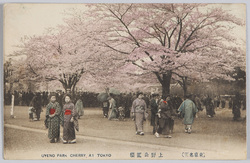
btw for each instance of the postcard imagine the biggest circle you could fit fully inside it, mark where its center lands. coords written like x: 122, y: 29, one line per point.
x: 121, y: 81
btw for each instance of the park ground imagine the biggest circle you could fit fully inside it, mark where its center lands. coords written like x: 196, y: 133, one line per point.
x: 98, y: 138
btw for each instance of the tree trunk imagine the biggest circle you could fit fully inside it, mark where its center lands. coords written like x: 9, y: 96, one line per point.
x: 166, y: 79
x: 184, y: 81
x: 69, y: 86
x: 73, y: 89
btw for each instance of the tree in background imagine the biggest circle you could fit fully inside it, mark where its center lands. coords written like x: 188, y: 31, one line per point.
x: 171, y: 41
x: 167, y: 39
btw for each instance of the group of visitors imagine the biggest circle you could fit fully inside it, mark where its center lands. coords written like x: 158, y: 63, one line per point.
x: 65, y: 110
x: 163, y: 112
x: 66, y: 116
x: 22, y: 98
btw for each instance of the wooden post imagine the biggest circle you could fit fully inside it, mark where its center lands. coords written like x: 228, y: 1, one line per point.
x: 12, y: 107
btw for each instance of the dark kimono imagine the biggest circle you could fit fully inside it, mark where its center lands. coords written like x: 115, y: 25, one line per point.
x: 69, y: 111
x: 154, y: 110
x: 37, y: 105
x: 165, y: 121
x: 53, y: 123
x: 210, y: 107
x: 236, y: 108
x: 154, y: 117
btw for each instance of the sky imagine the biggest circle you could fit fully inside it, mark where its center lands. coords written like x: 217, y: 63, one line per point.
x: 33, y: 19
x: 30, y: 19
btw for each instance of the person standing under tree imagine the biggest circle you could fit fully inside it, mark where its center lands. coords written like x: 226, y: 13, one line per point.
x: 188, y: 110
x: 53, y: 120
x: 154, y: 110
x: 79, y: 107
x: 70, y: 115
x: 236, y: 107
x: 138, y: 111
x: 209, y: 107
x: 165, y: 120
x: 37, y: 105
x: 105, y: 108
x: 112, y: 106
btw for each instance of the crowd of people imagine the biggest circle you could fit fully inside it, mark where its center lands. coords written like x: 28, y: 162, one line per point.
x: 65, y: 110
x: 164, y: 109
x: 23, y: 98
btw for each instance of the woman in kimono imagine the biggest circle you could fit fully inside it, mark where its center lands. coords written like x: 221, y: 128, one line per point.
x: 53, y: 119
x: 138, y: 111
x: 112, y: 106
x: 165, y: 120
x: 70, y: 115
x: 188, y: 110
x: 79, y: 107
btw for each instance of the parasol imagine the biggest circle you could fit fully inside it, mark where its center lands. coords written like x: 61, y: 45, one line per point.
x: 102, y: 97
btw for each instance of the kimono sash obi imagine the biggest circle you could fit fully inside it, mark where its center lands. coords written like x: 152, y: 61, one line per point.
x: 52, y: 111
x: 67, y: 112
x: 139, y: 108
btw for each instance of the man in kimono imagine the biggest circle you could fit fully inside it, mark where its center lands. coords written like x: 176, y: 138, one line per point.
x: 188, y: 110
x: 154, y: 110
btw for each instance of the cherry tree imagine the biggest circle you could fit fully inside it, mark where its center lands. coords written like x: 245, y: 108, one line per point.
x: 60, y: 54
x: 68, y: 54
x: 167, y: 39
x: 14, y: 72
x: 170, y: 41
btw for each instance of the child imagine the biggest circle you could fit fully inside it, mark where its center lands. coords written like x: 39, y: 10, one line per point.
x: 121, y: 113
x: 31, y: 112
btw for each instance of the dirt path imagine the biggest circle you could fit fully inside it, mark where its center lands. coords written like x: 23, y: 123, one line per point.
x: 217, y: 138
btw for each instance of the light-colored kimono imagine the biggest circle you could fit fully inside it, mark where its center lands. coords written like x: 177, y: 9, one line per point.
x: 139, y: 107
x: 112, y: 106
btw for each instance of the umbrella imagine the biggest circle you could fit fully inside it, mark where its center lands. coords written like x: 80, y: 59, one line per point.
x: 114, y: 91
x: 102, y: 97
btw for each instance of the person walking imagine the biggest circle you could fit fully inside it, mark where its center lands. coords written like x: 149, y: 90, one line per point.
x: 70, y: 115
x: 112, y: 106
x: 79, y: 107
x: 54, y: 118
x: 165, y: 118
x: 154, y: 110
x: 188, y: 110
x: 138, y: 111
